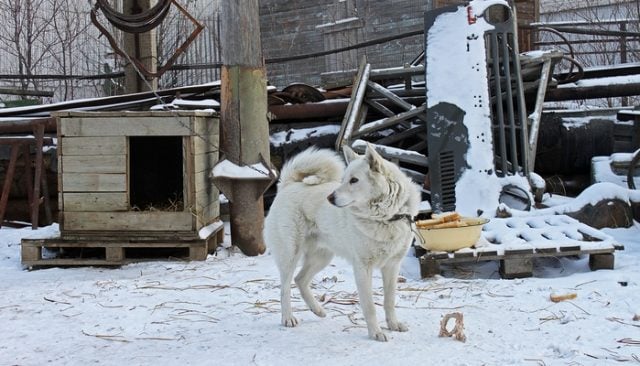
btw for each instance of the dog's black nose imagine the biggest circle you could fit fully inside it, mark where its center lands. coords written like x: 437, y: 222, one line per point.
x: 332, y: 198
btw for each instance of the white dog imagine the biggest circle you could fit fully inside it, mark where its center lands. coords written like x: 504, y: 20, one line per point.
x: 365, y: 218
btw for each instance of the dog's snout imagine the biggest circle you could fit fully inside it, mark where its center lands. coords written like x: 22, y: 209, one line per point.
x: 332, y: 198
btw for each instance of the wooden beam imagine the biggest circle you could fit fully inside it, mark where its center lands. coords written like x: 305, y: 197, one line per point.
x: 243, y: 119
x: 141, y: 46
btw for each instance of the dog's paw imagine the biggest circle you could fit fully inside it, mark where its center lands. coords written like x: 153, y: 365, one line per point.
x: 397, y: 326
x: 379, y: 336
x: 289, y: 322
x: 319, y: 311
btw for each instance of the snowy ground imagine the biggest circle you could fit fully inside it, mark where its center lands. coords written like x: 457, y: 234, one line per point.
x: 225, y: 311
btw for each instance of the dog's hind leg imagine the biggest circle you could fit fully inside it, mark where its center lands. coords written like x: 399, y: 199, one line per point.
x: 287, y: 261
x: 363, y: 276
x: 313, y: 262
x: 389, y: 282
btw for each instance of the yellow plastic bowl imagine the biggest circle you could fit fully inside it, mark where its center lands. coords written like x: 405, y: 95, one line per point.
x: 454, y: 238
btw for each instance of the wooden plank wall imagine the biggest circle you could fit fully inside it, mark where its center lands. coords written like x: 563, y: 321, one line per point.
x: 94, y: 177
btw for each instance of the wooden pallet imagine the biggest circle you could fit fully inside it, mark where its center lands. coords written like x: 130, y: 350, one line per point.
x: 102, y: 250
x: 513, y: 263
x: 515, y: 242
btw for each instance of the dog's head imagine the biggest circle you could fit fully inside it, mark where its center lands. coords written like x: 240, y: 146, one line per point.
x: 370, y: 184
x: 359, y: 180
x: 374, y: 187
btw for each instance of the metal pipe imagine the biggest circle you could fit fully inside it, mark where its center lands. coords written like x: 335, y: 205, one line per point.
x: 534, y: 122
x: 506, y: 57
x: 498, y: 92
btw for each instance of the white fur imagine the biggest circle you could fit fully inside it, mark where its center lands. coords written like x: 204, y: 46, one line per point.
x: 360, y: 224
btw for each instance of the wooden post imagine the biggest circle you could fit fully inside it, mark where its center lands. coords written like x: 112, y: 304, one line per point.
x: 243, y: 118
x: 141, y: 46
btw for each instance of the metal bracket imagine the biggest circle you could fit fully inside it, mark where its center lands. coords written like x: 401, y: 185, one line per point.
x: 139, y: 65
x: 262, y: 174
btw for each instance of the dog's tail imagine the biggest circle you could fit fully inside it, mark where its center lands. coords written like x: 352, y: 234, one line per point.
x: 312, y: 166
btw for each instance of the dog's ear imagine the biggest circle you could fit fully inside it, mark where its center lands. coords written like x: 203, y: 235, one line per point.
x: 374, y: 159
x: 349, y: 154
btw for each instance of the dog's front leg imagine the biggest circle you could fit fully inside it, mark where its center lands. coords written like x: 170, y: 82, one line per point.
x: 363, y: 276
x: 390, y: 281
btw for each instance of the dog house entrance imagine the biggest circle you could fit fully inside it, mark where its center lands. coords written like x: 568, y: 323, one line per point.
x: 156, y: 173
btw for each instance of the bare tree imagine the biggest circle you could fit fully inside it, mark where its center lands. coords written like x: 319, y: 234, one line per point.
x: 600, y: 47
x: 69, y: 22
x: 56, y: 37
x: 24, y: 36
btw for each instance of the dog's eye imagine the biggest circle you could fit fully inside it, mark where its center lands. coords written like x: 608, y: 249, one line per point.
x: 353, y: 180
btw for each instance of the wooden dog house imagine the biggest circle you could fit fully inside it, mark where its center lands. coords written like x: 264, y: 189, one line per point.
x: 131, y: 181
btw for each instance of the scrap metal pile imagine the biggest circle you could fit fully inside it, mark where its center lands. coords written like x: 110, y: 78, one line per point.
x: 455, y: 115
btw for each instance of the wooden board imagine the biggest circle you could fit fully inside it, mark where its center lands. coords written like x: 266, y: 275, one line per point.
x: 98, y: 164
x: 138, y: 235
x: 206, y: 143
x: 95, y: 201
x: 81, y: 182
x: 126, y: 114
x: 103, y: 145
x: 201, y: 181
x: 205, y: 162
x: 205, y: 214
x: 116, y: 252
x: 128, y: 221
x: 208, y: 128
x: 514, y: 263
x: 126, y: 126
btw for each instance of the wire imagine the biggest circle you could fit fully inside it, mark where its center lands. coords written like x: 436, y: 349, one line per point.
x: 140, y: 22
x: 164, y: 107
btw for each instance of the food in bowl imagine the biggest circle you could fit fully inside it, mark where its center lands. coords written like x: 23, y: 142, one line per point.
x: 449, y: 231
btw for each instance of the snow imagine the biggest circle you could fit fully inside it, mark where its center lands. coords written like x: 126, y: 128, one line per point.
x: 536, y: 53
x: 576, y: 122
x: 61, y: 105
x: 389, y: 150
x: 540, y: 232
x: 593, y: 194
x: 339, y: 21
x: 205, y: 104
x: 225, y: 310
x: 536, y: 180
x: 603, y: 171
x: 604, y: 81
x: 573, y: 23
x: 228, y: 169
x: 206, y: 231
x: 285, y: 137
x: 27, y: 137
